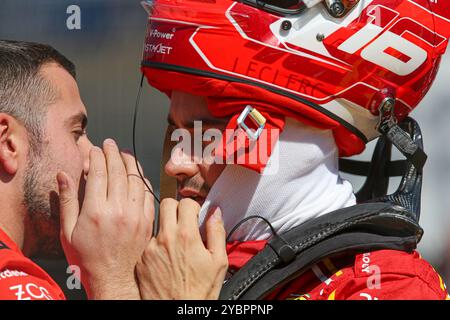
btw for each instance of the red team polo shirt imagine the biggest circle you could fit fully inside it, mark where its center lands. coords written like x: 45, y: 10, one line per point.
x: 21, y: 278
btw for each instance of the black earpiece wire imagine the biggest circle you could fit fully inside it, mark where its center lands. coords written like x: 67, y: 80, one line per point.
x: 136, y: 110
x: 240, y: 223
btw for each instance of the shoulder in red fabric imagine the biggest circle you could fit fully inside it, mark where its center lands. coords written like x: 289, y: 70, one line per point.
x: 21, y: 278
x: 384, y: 275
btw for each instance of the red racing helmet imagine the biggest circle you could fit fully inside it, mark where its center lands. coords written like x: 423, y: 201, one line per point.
x: 330, y: 64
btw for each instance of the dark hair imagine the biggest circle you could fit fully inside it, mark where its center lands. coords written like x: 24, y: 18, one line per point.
x: 24, y: 92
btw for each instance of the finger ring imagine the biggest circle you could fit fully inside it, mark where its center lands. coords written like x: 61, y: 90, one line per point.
x: 134, y: 175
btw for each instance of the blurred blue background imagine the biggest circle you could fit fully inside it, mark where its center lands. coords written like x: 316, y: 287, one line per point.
x: 107, y: 52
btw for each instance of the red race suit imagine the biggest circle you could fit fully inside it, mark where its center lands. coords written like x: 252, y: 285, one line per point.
x: 21, y: 278
x: 376, y: 275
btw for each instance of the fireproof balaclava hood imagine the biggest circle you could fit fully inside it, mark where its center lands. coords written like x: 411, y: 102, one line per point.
x: 303, y: 184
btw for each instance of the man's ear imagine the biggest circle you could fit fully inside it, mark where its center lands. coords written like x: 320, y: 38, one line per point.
x: 10, y: 131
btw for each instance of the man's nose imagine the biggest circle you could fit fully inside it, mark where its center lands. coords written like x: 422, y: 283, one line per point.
x: 180, y: 165
x: 87, y: 146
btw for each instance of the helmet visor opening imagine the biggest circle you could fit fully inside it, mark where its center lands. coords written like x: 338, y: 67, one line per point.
x: 337, y: 8
x: 278, y: 7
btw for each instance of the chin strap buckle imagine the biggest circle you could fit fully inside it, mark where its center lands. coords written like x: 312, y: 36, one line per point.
x: 398, y: 137
x: 256, y: 117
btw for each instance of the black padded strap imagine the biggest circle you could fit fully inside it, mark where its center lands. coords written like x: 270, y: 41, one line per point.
x: 346, y: 229
x: 349, y: 243
x: 395, y: 168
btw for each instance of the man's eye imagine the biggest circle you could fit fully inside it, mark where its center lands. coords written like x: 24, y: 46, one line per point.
x: 78, y: 134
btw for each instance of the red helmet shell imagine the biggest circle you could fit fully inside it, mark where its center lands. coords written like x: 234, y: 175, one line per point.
x: 328, y: 72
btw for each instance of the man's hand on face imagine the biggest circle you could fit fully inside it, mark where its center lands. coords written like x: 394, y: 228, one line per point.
x: 176, y: 264
x: 107, y: 237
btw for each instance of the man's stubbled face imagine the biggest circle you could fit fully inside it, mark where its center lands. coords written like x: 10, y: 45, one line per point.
x: 43, y: 213
x: 194, y: 179
x: 64, y: 147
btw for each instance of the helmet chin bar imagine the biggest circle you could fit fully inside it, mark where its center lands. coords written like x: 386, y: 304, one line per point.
x: 381, y: 168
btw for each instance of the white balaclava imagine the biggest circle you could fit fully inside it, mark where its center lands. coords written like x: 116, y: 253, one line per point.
x: 307, y: 185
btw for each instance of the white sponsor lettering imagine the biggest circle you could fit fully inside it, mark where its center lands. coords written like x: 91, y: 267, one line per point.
x: 367, y: 296
x: 366, y: 263
x: 161, y: 35
x: 374, y: 280
x: 29, y: 291
x: 158, y: 48
x: 11, y: 273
